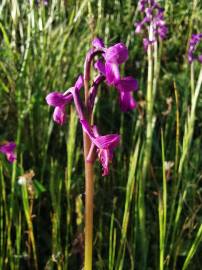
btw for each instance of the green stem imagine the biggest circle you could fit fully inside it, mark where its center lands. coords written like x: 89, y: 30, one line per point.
x: 89, y: 178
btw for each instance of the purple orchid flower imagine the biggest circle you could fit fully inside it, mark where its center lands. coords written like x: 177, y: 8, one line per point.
x: 195, y: 39
x: 116, y: 54
x: 108, y: 67
x: 153, y: 20
x: 60, y: 100
x: 8, y: 150
x: 103, y: 145
x: 113, y: 56
x: 125, y: 85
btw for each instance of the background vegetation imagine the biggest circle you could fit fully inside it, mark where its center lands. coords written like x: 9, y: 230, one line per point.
x: 138, y: 224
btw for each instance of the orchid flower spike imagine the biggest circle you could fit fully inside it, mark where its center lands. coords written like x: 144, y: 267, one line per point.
x: 153, y: 22
x: 194, y: 41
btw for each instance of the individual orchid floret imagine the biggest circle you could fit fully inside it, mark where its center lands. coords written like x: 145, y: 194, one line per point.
x: 8, y: 149
x: 60, y: 100
x: 125, y: 85
x: 116, y: 54
x: 153, y: 22
x: 113, y: 56
x: 194, y: 41
x: 102, y: 145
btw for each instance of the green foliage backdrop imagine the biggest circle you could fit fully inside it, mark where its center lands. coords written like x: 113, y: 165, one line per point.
x: 151, y: 224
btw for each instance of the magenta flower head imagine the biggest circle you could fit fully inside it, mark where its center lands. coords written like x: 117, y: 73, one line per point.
x: 125, y: 86
x: 60, y: 100
x: 104, y: 146
x: 153, y: 22
x: 113, y: 56
x: 8, y: 149
x: 193, y: 43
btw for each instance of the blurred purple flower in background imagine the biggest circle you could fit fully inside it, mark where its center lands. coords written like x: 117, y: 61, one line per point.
x: 8, y: 149
x: 194, y: 41
x: 153, y: 22
x: 43, y: 2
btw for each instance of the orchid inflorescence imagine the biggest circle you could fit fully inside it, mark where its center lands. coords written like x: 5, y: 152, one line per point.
x: 108, y: 70
x: 193, y: 43
x: 153, y: 22
x: 8, y: 149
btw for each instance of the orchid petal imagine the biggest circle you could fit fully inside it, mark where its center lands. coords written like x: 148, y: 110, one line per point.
x: 59, y: 115
x: 98, y: 43
x: 127, y: 101
x: 57, y: 99
x: 104, y: 159
x: 79, y: 82
x: 100, y: 66
x: 116, y: 54
x: 86, y: 128
x: 107, y: 141
x: 127, y: 84
x: 112, y: 73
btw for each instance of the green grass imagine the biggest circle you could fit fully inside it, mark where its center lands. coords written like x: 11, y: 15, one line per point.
x: 147, y: 212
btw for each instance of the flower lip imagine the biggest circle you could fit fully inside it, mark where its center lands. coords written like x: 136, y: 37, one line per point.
x: 59, y: 115
x: 127, y: 101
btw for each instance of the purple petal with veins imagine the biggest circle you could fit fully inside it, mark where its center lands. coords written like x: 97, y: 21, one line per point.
x: 102, y: 142
x: 58, y: 99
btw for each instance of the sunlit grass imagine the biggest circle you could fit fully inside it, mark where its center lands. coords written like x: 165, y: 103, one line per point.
x: 148, y: 211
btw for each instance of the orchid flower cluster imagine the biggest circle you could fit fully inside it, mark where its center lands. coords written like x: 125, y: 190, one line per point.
x: 107, y: 66
x: 8, y: 149
x: 153, y: 22
x: 193, y: 43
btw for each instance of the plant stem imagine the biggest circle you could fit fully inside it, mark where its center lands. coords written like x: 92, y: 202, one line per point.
x: 89, y: 177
